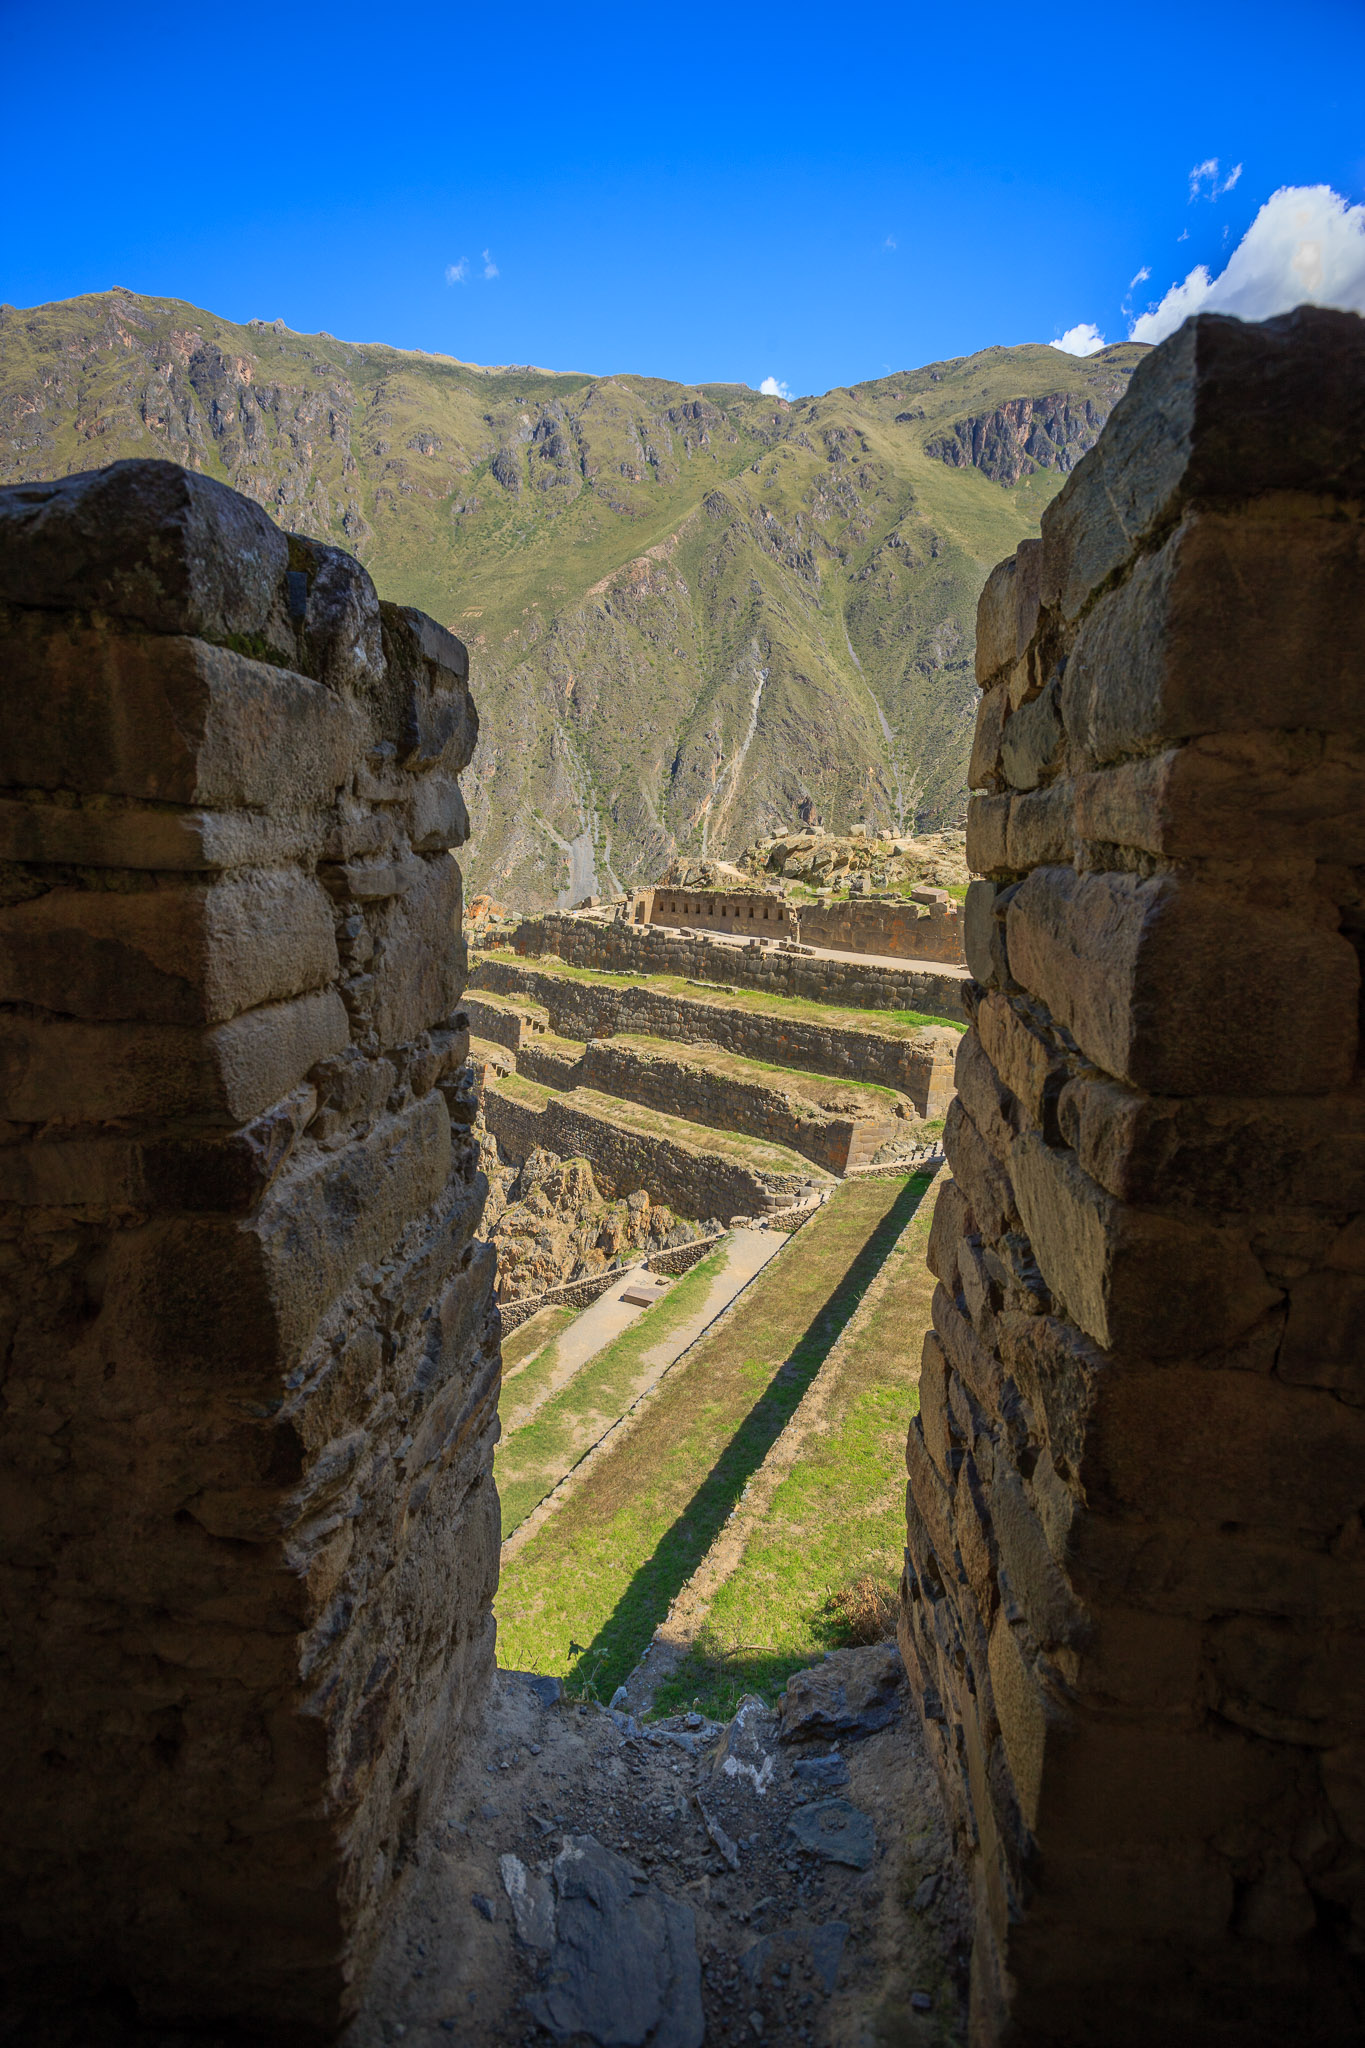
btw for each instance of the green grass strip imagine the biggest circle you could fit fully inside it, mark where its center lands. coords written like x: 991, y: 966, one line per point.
x: 799, y: 1008
x: 586, y: 1594
x: 531, y: 1461
x: 837, y: 1518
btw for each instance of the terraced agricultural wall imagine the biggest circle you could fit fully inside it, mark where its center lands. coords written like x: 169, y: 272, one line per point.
x: 693, y: 1179
x: 625, y: 948
x: 1134, y: 1601
x: 250, y: 1529
x: 920, y: 1066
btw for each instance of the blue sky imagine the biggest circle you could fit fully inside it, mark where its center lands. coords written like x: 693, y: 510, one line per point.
x: 812, y: 195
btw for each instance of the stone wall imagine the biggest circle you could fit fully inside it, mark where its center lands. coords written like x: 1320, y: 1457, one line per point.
x: 919, y: 1065
x: 697, y: 1182
x: 252, y: 1355
x: 927, y: 927
x: 1134, y: 1601
x: 757, y: 914
x: 623, y: 948
x: 679, y: 1258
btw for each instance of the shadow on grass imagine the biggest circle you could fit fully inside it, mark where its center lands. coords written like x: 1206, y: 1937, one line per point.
x: 623, y: 1637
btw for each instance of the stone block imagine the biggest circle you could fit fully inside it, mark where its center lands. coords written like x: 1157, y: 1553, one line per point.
x: 419, y: 964
x: 1182, y: 990
x: 437, y: 818
x: 1225, y: 409
x: 1007, y: 610
x: 1060, y: 1373
x: 1041, y: 829
x: 90, y: 1073
x: 1120, y: 1784
x: 1031, y: 1718
x: 979, y: 1367
x: 149, y: 542
x: 927, y: 1499
x: 1138, y: 1661
x: 983, y: 768
x: 1227, y: 796
x: 1139, y: 1282
x: 1027, y: 1065
x: 1324, y: 1338
x: 430, y: 716
x: 983, y: 935
x: 1033, y: 741
x: 339, y: 637
x: 101, y: 835
x: 1222, y: 1152
x: 1052, y: 1610
x: 987, y: 826
x: 1215, y: 1447
x: 229, y: 1301
x: 933, y: 1404
x: 951, y: 1222
x: 180, y: 954
x: 1288, y: 1681
x: 978, y: 1173
x: 1240, y: 622
x: 171, y: 719
x: 985, y: 1098
x: 200, y: 1171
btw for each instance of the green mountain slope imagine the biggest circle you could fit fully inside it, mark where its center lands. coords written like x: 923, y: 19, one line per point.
x: 693, y: 611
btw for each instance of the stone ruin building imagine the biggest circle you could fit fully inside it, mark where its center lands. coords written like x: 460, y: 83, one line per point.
x: 251, y: 1363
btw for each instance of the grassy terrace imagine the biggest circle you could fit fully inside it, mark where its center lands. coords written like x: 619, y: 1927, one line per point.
x: 531, y: 1461
x: 885, y: 1023
x: 755, y: 1153
x: 836, y: 1519
x: 584, y: 1596
x: 739, y: 1067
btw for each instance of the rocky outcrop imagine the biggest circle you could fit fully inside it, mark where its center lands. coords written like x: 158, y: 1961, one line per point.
x: 1134, y: 1603
x: 251, y: 1348
x: 1024, y: 435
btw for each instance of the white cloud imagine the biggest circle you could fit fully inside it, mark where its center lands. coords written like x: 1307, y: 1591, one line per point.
x: 490, y: 268
x: 1081, y: 340
x: 456, y: 273
x: 890, y: 242
x: 1141, y: 278
x: 1207, y: 174
x: 771, y: 388
x: 1306, y: 246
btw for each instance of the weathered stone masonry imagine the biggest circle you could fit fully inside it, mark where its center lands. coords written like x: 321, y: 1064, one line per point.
x: 1135, y: 1589
x: 250, y: 1350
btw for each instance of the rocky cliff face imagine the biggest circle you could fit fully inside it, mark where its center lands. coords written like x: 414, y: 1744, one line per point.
x: 698, y: 613
x: 1025, y: 435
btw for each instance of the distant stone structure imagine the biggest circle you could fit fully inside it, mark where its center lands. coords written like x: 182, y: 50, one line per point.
x: 250, y: 1529
x: 926, y: 926
x: 624, y: 946
x: 1134, y: 1601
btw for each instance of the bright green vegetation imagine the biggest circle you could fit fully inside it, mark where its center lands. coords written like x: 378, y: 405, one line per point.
x: 836, y: 1519
x: 531, y: 1461
x: 584, y: 1596
x: 888, y: 1023
x: 521, y: 1349
x: 643, y: 569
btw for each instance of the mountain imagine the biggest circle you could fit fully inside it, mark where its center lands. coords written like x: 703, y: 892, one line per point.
x: 695, y: 612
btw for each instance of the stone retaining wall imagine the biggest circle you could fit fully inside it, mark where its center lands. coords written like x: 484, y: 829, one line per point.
x: 920, y: 1067
x: 679, y: 1258
x: 691, y: 1180
x: 624, y: 948
x: 928, y: 929
x: 1134, y: 1602
x: 251, y: 1535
